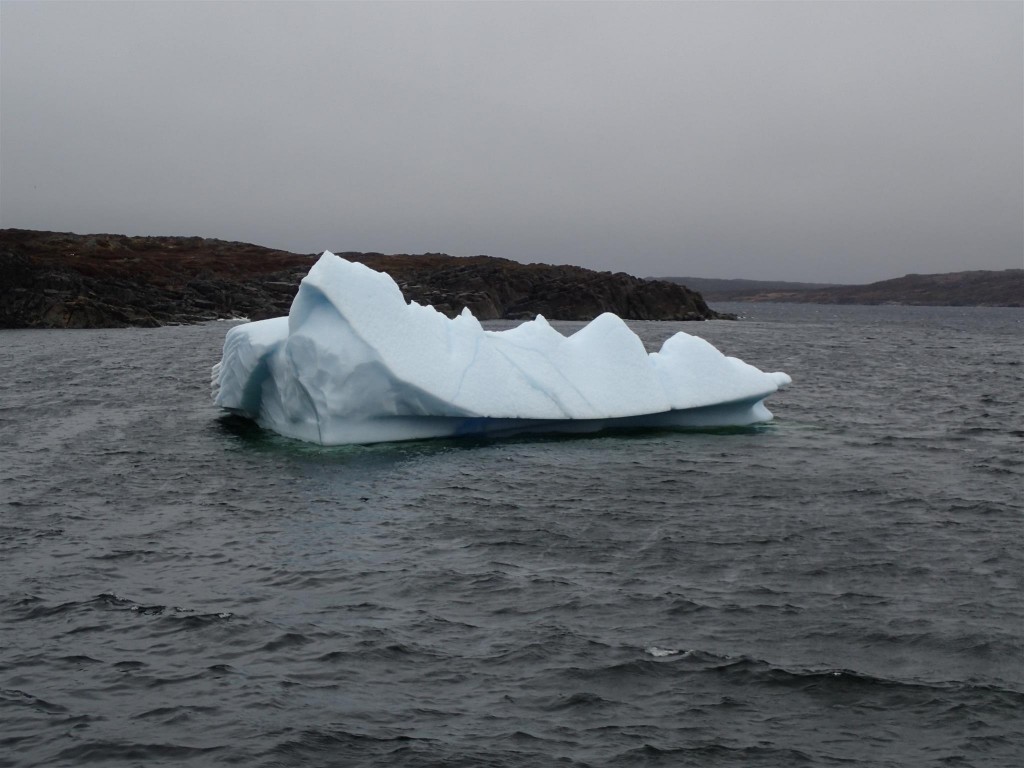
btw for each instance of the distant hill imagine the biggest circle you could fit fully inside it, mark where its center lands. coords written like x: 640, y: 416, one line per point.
x: 710, y: 286
x: 65, y: 280
x: 983, y: 288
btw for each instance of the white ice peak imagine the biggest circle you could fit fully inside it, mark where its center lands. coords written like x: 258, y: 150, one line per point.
x: 354, y: 363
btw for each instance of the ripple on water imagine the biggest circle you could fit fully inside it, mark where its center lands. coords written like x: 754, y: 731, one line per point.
x: 840, y: 587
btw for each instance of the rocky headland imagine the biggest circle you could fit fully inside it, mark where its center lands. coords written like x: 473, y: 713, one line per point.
x: 65, y: 280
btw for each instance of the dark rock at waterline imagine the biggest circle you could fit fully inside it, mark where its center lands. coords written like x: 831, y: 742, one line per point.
x: 64, y: 280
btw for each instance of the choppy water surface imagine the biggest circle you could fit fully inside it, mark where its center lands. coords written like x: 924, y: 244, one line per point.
x: 842, y: 587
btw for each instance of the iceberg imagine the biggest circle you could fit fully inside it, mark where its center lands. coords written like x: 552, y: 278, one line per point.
x: 353, y: 362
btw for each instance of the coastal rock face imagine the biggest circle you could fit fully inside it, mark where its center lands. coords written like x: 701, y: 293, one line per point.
x: 64, y: 280
x: 496, y: 288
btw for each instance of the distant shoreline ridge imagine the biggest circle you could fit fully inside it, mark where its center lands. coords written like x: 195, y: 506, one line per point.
x: 67, y: 280
x: 973, y: 288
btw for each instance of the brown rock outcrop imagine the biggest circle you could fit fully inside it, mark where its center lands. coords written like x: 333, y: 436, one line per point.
x: 64, y: 280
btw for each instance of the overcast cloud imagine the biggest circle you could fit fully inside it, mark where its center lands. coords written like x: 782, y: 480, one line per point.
x: 842, y: 142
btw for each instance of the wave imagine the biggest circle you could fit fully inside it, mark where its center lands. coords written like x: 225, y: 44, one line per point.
x: 749, y: 671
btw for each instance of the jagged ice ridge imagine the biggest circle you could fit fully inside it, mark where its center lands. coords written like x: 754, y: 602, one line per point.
x: 354, y: 363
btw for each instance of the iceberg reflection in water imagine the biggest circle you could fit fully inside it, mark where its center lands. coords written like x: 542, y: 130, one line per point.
x: 354, y: 363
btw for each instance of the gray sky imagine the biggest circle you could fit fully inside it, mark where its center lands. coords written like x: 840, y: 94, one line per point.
x: 841, y: 141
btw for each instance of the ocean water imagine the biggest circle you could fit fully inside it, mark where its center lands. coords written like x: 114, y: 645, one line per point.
x: 840, y: 587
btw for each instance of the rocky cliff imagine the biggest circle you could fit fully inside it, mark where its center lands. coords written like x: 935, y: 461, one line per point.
x: 64, y: 280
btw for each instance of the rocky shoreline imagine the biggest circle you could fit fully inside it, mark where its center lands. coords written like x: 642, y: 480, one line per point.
x: 64, y: 280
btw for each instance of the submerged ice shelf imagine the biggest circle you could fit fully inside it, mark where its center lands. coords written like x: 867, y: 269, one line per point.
x: 354, y: 363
